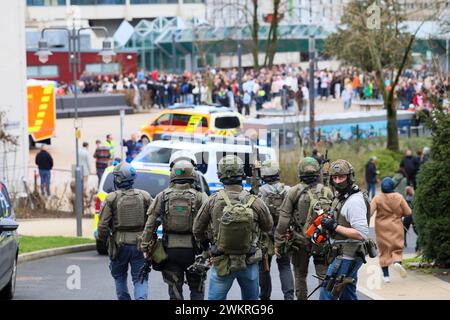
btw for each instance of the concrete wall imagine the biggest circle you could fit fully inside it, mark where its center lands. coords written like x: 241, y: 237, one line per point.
x: 13, y: 160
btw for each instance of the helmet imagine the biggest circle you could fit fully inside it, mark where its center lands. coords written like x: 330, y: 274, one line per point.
x: 342, y: 167
x: 182, y: 170
x: 270, y: 168
x: 182, y: 155
x: 124, y: 175
x: 231, y: 167
x: 308, y: 167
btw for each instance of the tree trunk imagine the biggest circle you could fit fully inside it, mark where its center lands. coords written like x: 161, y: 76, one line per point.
x: 272, y: 38
x: 255, y: 29
x: 392, y: 130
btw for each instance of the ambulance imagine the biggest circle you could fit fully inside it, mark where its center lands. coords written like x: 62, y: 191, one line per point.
x: 41, y: 111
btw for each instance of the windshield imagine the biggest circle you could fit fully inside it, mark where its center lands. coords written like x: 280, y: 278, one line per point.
x: 227, y: 122
x: 155, y: 155
x: 151, y: 182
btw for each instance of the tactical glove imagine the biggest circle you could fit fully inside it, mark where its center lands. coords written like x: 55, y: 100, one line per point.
x: 329, y: 224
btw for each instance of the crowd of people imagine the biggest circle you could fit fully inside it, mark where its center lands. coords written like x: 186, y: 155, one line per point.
x: 283, y: 85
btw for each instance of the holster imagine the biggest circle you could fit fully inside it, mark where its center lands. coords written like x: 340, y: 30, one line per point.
x: 113, y: 248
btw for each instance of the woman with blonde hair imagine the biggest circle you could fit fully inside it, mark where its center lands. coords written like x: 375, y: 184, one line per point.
x: 390, y: 207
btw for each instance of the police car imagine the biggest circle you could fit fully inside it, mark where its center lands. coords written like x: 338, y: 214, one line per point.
x: 152, y: 179
x: 208, y: 151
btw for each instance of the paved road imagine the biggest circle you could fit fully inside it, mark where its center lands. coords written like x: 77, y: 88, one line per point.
x: 46, y: 279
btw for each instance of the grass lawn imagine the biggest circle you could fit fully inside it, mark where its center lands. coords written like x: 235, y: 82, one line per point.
x: 30, y: 244
x: 422, y: 265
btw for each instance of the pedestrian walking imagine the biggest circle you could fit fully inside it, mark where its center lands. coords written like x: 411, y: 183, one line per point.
x: 371, y: 176
x: 109, y: 143
x: 390, y: 207
x: 44, y: 161
x: 121, y: 221
x: 102, y: 157
x: 411, y: 165
x: 85, y: 164
x: 400, y: 181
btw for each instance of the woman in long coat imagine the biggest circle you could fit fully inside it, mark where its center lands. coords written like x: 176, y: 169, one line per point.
x: 390, y: 207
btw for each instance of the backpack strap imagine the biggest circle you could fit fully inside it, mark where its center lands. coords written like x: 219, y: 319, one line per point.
x: 225, y: 197
x: 250, y: 202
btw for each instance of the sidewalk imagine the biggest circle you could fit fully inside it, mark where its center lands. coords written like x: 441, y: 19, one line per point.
x: 416, y: 286
x: 55, y: 227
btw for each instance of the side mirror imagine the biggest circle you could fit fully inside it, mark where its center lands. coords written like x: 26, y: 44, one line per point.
x: 8, y: 225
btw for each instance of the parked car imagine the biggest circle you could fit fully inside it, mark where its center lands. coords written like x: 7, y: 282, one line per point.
x: 9, y: 245
x: 149, y: 178
x: 208, y: 152
x: 190, y: 119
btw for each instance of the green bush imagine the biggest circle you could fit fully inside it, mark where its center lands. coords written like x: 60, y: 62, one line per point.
x: 431, y: 207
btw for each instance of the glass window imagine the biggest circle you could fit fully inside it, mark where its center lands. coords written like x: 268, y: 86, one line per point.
x: 155, y: 155
x: 46, y: 2
x: 193, y: 1
x: 95, y: 2
x: 102, y: 68
x: 227, y: 122
x: 164, y: 120
x: 153, y: 1
x: 151, y: 182
x: 5, y: 202
x: 202, y: 161
x: 50, y: 71
x: 180, y: 119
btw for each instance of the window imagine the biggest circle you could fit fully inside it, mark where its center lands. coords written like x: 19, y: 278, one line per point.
x: 164, y: 120
x: 180, y: 119
x: 202, y: 161
x: 203, y: 123
x: 153, y: 1
x: 228, y: 122
x: 151, y: 182
x: 102, y: 68
x: 95, y: 2
x: 49, y: 3
x: 50, y: 71
x: 5, y: 202
x: 155, y: 155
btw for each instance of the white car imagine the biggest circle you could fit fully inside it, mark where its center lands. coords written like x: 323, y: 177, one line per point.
x: 208, y: 153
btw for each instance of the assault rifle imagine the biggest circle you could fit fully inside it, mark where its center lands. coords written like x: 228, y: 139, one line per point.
x: 201, y: 265
x: 255, y: 165
x: 325, y: 169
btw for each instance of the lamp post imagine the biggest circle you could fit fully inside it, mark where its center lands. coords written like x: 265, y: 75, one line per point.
x: 74, y: 62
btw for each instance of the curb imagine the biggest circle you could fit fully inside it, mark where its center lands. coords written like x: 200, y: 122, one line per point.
x: 370, y: 294
x: 25, y: 257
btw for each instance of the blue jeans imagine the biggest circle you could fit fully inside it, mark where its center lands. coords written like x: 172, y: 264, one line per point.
x: 45, y: 181
x: 349, y: 291
x: 371, y: 189
x: 128, y: 254
x: 248, y: 280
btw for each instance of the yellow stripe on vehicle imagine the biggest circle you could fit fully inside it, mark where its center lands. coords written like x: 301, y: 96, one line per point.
x: 43, y: 106
x: 45, y: 99
x: 39, y: 122
x: 41, y: 114
x: 34, y: 129
x: 48, y: 89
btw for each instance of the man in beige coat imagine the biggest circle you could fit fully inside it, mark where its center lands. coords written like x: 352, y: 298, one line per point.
x: 390, y: 207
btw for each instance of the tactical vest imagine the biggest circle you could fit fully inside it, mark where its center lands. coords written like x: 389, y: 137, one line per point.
x: 350, y: 248
x: 302, y: 211
x: 275, y: 197
x: 130, y: 216
x: 178, y: 216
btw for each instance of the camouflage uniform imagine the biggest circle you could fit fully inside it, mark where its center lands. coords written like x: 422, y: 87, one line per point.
x: 231, y: 173
x: 294, y: 211
x: 272, y: 193
x: 121, y: 221
x: 178, y: 243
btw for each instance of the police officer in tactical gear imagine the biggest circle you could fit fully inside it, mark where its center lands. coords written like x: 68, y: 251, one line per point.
x: 122, y: 219
x: 296, y: 213
x: 273, y: 192
x: 188, y: 156
x: 349, y: 228
x: 175, y: 208
x: 240, y: 217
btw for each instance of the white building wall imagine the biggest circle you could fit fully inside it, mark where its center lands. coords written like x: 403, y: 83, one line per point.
x: 13, y: 161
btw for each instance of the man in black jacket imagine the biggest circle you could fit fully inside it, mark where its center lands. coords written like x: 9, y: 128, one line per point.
x: 44, y: 161
x: 371, y: 177
x: 411, y: 165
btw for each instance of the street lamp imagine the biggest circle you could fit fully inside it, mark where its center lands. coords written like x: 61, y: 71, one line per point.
x: 74, y: 62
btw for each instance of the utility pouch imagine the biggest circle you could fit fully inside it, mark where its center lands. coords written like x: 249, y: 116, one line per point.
x: 237, y: 262
x: 113, y: 248
x: 222, y: 265
x: 159, y: 254
x: 255, y: 257
x: 371, y: 248
x: 175, y: 240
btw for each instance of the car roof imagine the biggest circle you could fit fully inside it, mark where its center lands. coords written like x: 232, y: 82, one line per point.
x: 210, y: 146
x: 203, y: 109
